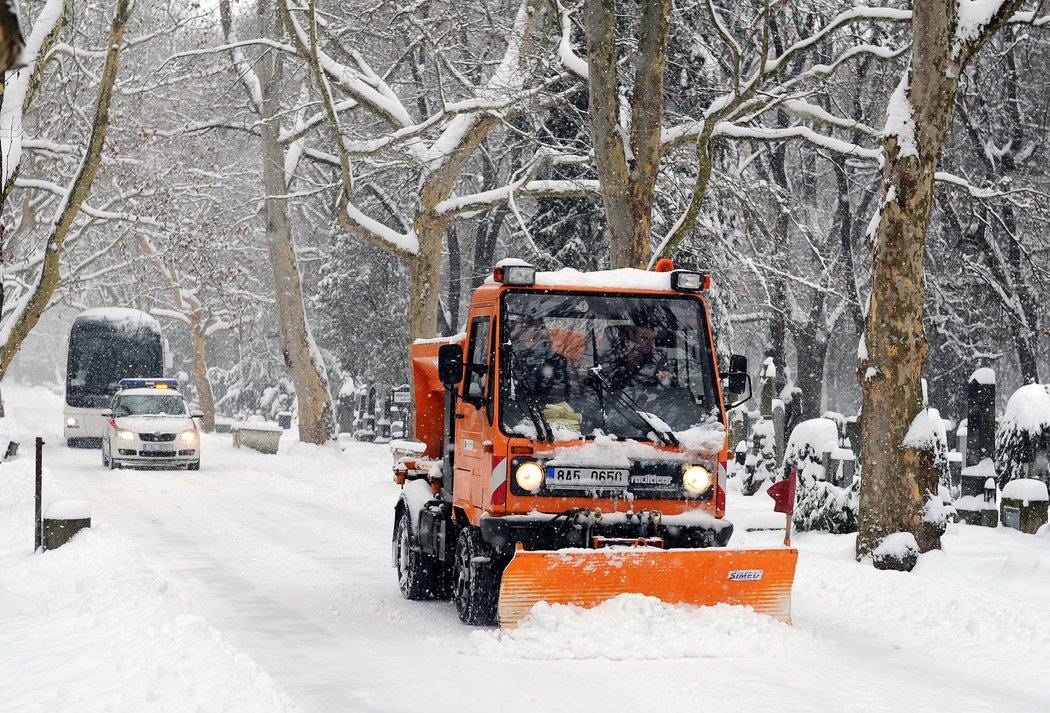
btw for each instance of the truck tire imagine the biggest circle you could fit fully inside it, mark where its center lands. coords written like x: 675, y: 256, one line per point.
x: 475, y: 579
x: 416, y: 572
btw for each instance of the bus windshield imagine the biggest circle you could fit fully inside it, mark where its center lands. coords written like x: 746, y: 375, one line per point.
x: 101, y: 354
x: 578, y: 365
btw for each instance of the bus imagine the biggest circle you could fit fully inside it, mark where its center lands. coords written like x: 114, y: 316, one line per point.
x: 106, y: 345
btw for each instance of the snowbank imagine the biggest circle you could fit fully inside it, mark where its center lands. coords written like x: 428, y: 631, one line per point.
x: 121, y: 636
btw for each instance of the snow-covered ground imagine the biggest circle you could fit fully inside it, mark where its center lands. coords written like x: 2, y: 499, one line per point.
x: 263, y: 583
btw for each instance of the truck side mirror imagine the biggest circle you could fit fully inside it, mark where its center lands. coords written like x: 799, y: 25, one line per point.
x: 738, y: 380
x: 450, y: 365
x: 738, y: 377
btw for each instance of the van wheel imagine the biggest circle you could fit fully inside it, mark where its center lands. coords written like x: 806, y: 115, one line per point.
x: 105, y: 456
x: 475, y: 579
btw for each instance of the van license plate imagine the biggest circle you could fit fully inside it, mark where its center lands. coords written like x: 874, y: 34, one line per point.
x: 559, y: 477
x: 157, y: 447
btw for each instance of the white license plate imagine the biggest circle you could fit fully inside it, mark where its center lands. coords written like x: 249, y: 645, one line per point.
x: 571, y: 478
x: 158, y: 446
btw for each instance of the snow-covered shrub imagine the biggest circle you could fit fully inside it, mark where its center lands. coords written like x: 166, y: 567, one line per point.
x: 821, y: 505
x: 1023, y: 435
x: 761, y: 465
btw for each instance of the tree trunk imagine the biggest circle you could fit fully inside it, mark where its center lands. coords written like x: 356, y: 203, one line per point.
x: 610, y: 158
x: 305, y: 367
x: 205, y: 397
x: 844, y: 228
x: 1025, y: 329
x: 455, y: 280
x: 898, y: 480
x: 627, y: 174
x: 424, y: 284
x: 811, y: 349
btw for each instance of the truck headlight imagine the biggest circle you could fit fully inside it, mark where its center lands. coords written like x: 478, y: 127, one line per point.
x: 71, y: 422
x: 529, y: 476
x: 125, y: 435
x: 188, y: 436
x: 697, y: 479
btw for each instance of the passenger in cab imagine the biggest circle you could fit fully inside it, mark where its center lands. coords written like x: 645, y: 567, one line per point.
x: 636, y: 360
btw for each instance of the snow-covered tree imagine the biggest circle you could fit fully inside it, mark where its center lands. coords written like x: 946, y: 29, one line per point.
x: 1022, y: 436
x: 821, y: 504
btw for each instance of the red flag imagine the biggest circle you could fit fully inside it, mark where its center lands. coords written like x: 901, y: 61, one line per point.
x: 783, y: 493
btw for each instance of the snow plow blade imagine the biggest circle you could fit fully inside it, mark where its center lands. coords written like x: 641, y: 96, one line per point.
x: 760, y: 579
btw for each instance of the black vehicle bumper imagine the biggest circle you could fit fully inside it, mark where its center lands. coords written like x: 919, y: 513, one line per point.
x: 578, y: 528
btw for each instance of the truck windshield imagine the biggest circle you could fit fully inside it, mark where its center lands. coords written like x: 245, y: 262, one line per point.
x: 578, y: 365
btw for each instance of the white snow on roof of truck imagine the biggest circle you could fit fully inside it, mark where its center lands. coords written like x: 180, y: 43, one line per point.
x: 624, y: 278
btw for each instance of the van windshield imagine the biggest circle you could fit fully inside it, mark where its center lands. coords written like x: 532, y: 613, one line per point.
x: 579, y: 365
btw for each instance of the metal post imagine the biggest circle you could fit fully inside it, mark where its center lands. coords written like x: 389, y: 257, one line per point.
x: 39, y: 539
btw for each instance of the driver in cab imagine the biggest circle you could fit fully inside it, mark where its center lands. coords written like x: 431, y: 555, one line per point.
x: 540, y: 370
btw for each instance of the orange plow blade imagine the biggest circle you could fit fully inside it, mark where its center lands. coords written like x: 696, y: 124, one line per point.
x: 760, y: 579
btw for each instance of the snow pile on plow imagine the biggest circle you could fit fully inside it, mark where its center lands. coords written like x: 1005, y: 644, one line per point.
x: 639, y: 627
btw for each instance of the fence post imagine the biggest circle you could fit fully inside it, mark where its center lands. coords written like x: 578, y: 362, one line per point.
x: 38, y: 539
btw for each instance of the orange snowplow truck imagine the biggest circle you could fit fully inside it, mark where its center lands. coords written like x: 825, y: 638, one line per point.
x: 571, y: 446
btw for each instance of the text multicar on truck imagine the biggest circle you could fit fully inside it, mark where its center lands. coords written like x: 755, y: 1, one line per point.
x: 571, y: 446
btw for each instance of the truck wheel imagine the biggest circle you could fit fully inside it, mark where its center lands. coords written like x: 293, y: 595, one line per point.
x: 475, y: 579
x: 415, y: 570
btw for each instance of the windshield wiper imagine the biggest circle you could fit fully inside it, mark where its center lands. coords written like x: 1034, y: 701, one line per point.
x: 627, y: 404
x: 543, y: 427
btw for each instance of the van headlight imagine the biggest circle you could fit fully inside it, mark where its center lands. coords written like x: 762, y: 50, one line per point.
x: 529, y: 476
x: 125, y: 435
x: 72, y: 422
x: 188, y: 436
x: 697, y: 479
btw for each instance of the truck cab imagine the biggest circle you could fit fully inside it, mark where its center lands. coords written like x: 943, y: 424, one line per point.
x: 577, y: 410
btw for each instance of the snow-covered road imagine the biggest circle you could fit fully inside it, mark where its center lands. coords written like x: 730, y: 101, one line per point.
x: 271, y: 576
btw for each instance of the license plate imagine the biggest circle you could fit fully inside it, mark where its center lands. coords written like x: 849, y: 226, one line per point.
x: 573, y: 478
x: 158, y: 447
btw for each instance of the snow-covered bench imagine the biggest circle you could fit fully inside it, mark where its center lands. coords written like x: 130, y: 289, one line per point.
x: 262, y: 437
x: 224, y: 425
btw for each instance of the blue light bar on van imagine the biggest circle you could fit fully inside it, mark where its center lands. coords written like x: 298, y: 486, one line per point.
x: 148, y: 384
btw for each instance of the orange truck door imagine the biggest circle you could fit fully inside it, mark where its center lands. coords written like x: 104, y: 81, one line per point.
x: 472, y: 460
